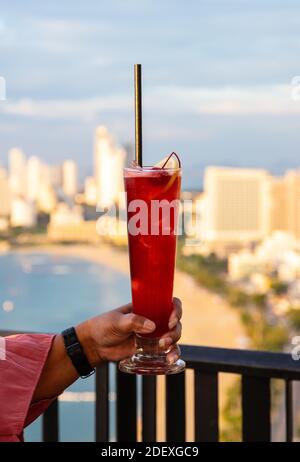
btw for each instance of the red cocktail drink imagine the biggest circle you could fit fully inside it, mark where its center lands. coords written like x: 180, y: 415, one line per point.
x: 153, y: 196
x: 152, y: 248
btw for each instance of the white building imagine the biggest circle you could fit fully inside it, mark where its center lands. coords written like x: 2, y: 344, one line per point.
x: 17, y: 172
x: 5, y: 196
x: 109, y: 164
x: 66, y: 215
x: 237, y: 205
x: 23, y: 213
x: 90, y: 191
x: 34, y: 178
x: 47, y: 199
x: 69, y: 177
x: 279, y: 252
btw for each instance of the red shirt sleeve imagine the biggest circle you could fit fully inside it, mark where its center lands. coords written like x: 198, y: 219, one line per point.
x: 21, y: 363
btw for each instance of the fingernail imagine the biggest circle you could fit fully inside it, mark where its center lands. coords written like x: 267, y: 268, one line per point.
x: 172, y: 358
x: 165, y: 342
x: 173, y: 323
x: 148, y: 325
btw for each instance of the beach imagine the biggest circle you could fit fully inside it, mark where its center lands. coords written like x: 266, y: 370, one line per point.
x: 208, y: 320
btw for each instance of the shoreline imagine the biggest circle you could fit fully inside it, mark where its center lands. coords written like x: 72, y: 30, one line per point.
x: 219, y: 323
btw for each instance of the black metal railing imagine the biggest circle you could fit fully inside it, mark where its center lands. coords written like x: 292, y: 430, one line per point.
x: 256, y: 369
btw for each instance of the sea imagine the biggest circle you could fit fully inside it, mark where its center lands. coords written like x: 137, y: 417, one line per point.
x: 45, y: 292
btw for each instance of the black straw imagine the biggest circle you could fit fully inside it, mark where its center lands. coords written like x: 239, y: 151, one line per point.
x: 138, y: 113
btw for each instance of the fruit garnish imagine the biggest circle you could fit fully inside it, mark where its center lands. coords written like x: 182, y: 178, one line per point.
x: 171, y: 162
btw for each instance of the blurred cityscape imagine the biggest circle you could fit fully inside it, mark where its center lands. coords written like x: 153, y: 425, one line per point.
x: 37, y: 197
x: 241, y: 234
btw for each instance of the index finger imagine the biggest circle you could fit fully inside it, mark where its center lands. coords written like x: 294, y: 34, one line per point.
x: 176, y: 313
x: 177, y: 307
x: 125, y: 308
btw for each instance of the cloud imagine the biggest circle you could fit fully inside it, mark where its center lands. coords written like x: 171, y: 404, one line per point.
x: 227, y: 100
x: 85, y: 109
x: 274, y: 100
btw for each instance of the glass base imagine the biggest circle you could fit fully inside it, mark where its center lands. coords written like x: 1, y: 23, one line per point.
x: 149, y: 359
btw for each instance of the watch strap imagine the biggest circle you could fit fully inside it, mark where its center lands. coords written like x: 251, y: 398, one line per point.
x: 76, y: 353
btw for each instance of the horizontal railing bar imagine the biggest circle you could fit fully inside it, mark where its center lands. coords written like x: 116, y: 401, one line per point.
x: 258, y: 363
x: 252, y: 362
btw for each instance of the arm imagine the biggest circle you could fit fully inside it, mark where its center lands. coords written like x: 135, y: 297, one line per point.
x: 108, y: 337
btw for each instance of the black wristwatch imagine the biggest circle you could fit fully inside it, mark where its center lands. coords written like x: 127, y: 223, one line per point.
x: 76, y: 353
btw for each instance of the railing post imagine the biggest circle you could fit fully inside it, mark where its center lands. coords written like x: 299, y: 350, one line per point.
x: 102, y: 406
x: 149, y: 409
x: 175, y: 407
x: 206, y: 407
x: 126, y: 407
x: 50, y: 424
x: 256, y: 405
x: 289, y: 417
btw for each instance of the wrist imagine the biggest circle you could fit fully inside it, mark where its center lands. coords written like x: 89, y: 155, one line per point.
x: 87, y: 342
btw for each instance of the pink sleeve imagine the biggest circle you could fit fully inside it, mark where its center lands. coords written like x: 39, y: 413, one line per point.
x: 23, y: 359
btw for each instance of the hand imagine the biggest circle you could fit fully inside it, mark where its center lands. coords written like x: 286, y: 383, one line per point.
x: 110, y: 336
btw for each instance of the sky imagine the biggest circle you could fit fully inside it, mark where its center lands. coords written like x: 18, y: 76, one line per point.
x: 216, y: 80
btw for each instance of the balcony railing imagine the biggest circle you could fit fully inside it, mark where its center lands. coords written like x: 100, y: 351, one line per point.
x: 256, y: 369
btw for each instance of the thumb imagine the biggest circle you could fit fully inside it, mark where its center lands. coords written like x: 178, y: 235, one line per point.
x: 131, y: 322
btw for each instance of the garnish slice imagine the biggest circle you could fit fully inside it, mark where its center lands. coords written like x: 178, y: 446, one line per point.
x: 172, y: 161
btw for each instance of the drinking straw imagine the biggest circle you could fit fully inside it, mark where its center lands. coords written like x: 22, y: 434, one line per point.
x: 138, y: 113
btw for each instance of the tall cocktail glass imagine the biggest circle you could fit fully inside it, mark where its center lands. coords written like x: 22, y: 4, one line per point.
x: 153, y: 196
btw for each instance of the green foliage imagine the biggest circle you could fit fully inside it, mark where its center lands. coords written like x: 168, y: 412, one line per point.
x: 293, y: 317
x: 279, y: 287
x: 232, y: 414
x: 237, y: 297
x: 259, y: 300
x: 274, y: 337
x: 264, y: 336
x: 207, y: 271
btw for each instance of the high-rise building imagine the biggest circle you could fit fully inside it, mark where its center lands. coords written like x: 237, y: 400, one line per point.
x: 278, y: 218
x: 285, y: 203
x: 109, y: 163
x: 23, y: 213
x: 292, y: 203
x: 69, y: 177
x: 17, y: 172
x: 90, y: 191
x: 47, y: 199
x: 34, y: 178
x: 5, y: 198
x: 237, y: 205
